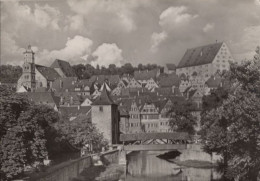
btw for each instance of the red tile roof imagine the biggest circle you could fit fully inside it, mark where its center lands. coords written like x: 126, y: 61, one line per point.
x: 200, y: 55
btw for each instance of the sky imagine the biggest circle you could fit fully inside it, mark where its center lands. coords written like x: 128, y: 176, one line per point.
x: 116, y: 32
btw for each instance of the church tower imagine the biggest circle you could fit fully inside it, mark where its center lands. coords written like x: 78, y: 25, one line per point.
x: 28, y: 76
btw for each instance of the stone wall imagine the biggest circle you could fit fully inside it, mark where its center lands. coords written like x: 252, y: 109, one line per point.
x: 110, y: 157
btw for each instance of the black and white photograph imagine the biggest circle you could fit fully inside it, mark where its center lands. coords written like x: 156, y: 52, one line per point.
x: 130, y: 90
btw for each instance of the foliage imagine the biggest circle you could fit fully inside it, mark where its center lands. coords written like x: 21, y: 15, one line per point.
x: 86, y: 71
x: 232, y: 126
x: 9, y: 73
x: 80, y: 132
x: 182, y: 118
x: 25, y: 132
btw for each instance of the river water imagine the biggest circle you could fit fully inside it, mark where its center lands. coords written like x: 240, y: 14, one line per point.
x: 145, y: 166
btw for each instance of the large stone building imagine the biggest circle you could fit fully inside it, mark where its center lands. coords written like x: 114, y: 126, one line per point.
x: 205, y: 60
x: 36, y: 76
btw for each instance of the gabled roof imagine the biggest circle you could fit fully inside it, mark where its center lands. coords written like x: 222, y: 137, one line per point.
x: 169, y: 81
x: 49, y: 73
x: 160, y: 104
x: 171, y: 66
x: 163, y: 90
x: 145, y: 75
x: 103, y: 99
x: 191, y: 93
x: 44, y: 98
x: 100, y: 79
x: 74, y: 111
x: 200, y: 55
x: 213, y: 82
x: 62, y: 84
x: 70, y: 98
x: 65, y: 67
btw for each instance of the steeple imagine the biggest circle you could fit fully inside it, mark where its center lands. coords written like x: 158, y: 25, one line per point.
x: 29, y: 55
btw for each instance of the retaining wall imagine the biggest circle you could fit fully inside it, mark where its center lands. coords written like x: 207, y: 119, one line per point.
x: 110, y: 157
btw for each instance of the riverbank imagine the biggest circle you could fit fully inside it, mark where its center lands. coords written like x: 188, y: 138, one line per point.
x: 109, y: 172
x: 194, y: 163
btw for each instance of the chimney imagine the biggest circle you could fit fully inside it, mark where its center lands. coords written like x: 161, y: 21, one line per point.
x: 78, y: 107
x: 138, y: 93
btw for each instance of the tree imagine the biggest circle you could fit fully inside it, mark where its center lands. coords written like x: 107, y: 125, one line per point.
x: 80, y: 71
x: 24, y: 133
x: 81, y: 131
x: 182, y: 118
x: 10, y: 74
x: 232, y: 127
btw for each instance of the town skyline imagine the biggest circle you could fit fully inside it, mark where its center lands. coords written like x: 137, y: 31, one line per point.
x: 119, y: 32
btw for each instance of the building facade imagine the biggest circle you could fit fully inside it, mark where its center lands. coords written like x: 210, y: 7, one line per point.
x: 205, y: 60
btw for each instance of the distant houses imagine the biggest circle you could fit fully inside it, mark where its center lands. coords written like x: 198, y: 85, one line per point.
x: 127, y: 103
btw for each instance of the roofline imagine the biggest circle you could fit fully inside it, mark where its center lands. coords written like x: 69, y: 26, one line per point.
x: 196, y: 48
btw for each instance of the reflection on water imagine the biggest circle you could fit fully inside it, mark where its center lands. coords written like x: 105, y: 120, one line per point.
x: 144, y: 166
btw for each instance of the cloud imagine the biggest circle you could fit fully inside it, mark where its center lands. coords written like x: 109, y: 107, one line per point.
x: 248, y: 42
x: 75, y: 49
x: 116, y: 13
x: 107, y: 54
x: 18, y: 16
x: 76, y: 22
x: 156, y: 39
x: 9, y: 48
x: 208, y: 27
x: 257, y: 2
x: 173, y: 17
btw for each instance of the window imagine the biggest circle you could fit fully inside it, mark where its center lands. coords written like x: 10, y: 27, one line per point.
x: 101, y: 108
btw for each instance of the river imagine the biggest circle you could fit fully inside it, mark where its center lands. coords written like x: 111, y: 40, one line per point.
x: 145, y: 166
